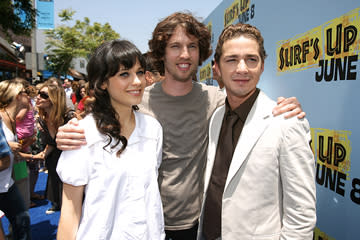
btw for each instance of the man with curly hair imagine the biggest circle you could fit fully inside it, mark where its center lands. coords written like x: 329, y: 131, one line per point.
x: 180, y: 43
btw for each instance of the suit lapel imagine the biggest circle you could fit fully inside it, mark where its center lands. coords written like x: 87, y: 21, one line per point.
x: 258, y: 119
x: 214, y: 132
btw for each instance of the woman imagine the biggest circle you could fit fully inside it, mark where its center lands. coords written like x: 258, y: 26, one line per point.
x: 117, y: 170
x: 81, y: 107
x: 74, y: 86
x: 12, y: 98
x: 79, y: 94
x: 53, y: 113
x: 27, y: 135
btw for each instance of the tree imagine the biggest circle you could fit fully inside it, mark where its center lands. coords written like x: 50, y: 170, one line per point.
x: 65, y: 43
x: 17, y: 16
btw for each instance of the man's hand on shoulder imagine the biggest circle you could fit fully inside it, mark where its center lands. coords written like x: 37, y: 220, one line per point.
x: 70, y: 136
x: 290, y: 106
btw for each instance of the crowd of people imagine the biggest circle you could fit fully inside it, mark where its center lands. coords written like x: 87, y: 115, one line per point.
x: 152, y: 154
x: 30, y: 116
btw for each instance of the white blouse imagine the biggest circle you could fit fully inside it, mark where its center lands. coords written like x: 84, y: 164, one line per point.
x: 122, y: 198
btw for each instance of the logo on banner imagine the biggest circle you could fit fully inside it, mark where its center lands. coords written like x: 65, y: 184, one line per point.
x: 334, y: 47
x: 332, y: 150
x: 239, y: 9
x: 209, y: 26
x: 205, y: 73
x: 319, y: 235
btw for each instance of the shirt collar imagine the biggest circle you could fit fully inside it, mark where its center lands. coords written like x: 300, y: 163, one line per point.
x: 142, y: 130
x: 243, y: 110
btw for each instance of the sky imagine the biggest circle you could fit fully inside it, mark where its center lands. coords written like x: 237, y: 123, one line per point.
x: 134, y: 20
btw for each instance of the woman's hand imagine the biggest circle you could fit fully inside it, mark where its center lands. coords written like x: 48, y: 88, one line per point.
x: 39, y: 156
x: 15, y: 146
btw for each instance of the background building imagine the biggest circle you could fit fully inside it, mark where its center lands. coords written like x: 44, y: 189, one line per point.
x: 12, y: 62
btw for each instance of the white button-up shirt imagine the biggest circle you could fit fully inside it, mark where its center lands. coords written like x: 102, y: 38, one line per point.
x: 68, y: 92
x: 122, y: 199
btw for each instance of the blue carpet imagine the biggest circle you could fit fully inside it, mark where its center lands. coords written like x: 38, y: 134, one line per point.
x: 43, y: 226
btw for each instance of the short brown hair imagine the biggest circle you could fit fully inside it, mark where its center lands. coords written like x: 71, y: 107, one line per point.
x: 164, y: 30
x: 237, y: 30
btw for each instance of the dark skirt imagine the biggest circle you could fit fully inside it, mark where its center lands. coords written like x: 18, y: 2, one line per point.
x: 54, y: 184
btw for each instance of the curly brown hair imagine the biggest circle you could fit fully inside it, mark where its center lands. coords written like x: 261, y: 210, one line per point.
x: 237, y: 30
x: 164, y: 30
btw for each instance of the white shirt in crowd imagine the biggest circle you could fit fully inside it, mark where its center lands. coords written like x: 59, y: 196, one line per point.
x: 68, y: 92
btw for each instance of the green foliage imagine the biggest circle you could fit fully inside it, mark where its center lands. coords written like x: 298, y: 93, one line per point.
x: 10, y: 12
x: 67, y: 42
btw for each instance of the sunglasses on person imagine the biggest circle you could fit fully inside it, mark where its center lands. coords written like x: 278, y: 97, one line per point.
x: 43, y: 95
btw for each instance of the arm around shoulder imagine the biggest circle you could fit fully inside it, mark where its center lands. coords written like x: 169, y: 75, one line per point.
x: 290, y: 106
x: 70, y: 136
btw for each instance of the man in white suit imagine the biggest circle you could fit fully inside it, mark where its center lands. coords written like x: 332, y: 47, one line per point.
x: 259, y: 179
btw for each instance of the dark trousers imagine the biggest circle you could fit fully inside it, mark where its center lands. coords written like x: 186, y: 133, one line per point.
x: 54, y: 184
x: 12, y: 204
x: 33, y: 175
x: 187, y: 234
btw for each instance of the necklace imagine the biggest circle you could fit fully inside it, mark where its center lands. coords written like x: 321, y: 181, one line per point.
x: 12, y: 123
x: 10, y: 118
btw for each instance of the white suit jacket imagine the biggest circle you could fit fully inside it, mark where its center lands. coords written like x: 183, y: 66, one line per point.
x: 270, y: 188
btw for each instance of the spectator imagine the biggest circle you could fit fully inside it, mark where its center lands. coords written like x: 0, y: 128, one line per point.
x: 89, y: 95
x: 25, y: 128
x: 74, y: 85
x: 67, y: 87
x: 54, y: 80
x: 25, y: 123
x: 52, y: 114
x: 216, y: 76
x: 152, y: 74
x: 12, y: 98
x: 80, y: 94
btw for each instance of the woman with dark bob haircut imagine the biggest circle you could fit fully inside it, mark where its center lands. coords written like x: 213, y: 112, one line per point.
x: 118, y: 168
